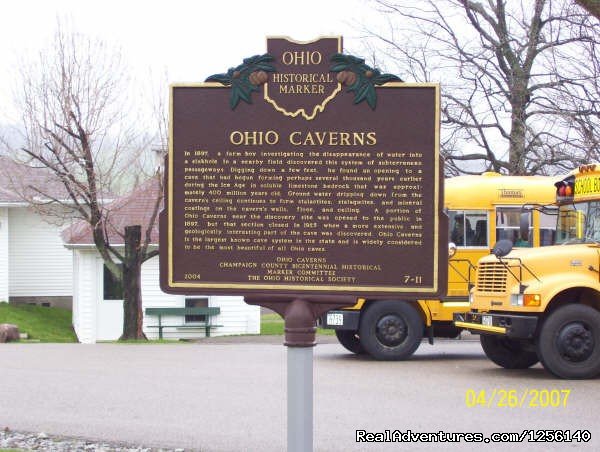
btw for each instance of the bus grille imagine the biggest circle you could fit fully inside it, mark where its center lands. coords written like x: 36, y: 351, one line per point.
x: 491, y: 277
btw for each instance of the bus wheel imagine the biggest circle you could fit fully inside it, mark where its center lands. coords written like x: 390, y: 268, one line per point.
x: 569, y: 343
x: 390, y: 330
x: 349, y: 341
x: 506, y: 352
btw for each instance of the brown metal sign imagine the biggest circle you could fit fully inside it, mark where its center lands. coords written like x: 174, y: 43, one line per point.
x: 304, y: 171
x: 302, y: 83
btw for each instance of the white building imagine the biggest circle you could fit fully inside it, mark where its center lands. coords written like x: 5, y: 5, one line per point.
x: 34, y: 265
x: 97, y: 306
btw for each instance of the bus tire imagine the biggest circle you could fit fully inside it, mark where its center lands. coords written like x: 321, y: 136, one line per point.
x: 349, y: 341
x: 390, y: 330
x: 569, y: 342
x: 507, y: 353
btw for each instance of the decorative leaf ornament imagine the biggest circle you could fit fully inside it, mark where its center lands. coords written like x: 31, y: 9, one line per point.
x: 360, y: 78
x: 245, y: 78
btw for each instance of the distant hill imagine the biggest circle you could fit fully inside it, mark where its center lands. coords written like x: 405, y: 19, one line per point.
x: 9, y: 133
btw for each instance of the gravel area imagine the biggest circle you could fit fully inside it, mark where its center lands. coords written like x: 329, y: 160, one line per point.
x: 26, y: 441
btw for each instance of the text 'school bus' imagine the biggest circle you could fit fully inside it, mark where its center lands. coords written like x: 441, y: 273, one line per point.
x: 482, y: 210
x: 544, y: 304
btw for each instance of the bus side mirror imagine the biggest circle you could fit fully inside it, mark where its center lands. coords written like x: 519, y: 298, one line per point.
x: 524, y: 226
x: 502, y: 248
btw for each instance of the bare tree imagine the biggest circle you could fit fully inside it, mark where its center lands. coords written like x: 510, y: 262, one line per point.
x: 77, y: 128
x: 519, y: 79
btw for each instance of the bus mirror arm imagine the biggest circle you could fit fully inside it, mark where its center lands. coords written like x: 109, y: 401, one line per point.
x: 528, y: 270
x: 522, y: 266
x: 547, y: 209
x: 470, y: 267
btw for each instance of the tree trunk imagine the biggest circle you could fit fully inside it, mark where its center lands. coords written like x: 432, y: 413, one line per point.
x: 518, y: 130
x: 516, y: 153
x: 132, y: 293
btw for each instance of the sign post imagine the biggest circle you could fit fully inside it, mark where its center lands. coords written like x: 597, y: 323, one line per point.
x: 300, y: 376
x: 303, y: 179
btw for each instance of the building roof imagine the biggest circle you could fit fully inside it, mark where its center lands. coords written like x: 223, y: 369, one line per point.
x: 133, y: 209
x: 20, y: 182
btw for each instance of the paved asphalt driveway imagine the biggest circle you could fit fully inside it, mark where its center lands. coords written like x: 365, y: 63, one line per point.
x: 229, y: 395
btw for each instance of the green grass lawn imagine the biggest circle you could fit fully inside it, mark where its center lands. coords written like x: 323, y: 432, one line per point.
x: 54, y: 324
x: 272, y: 324
x: 40, y: 323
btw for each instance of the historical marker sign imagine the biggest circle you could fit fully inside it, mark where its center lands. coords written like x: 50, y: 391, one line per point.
x: 304, y: 171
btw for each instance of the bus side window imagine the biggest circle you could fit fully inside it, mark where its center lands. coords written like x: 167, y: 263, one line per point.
x: 480, y: 237
x: 468, y: 228
x: 547, y: 229
x: 457, y: 227
x: 508, y: 222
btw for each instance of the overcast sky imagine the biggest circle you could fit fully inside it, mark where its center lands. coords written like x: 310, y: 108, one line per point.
x: 190, y: 40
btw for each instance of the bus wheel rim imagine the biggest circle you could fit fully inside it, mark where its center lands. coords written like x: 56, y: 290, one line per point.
x: 575, y: 342
x: 391, y: 330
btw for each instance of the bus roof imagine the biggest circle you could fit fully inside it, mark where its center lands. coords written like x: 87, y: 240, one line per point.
x: 483, y: 191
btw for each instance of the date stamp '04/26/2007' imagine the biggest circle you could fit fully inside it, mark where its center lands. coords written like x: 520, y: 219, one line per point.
x: 517, y: 398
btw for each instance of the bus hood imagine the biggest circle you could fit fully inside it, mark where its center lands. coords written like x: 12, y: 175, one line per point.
x: 535, y: 264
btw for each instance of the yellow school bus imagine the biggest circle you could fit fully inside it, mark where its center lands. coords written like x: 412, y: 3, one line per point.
x: 544, y: 305
x: 481, y: 209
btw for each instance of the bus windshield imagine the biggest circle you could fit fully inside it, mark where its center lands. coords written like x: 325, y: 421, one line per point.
x: 578, y: 223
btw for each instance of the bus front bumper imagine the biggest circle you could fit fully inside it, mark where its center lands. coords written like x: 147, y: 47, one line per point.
x: 340, y: 320
x: 510, y: 325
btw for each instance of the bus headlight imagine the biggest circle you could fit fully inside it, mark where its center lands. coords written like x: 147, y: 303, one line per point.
x: 528, y: 299
x: 516, y: 299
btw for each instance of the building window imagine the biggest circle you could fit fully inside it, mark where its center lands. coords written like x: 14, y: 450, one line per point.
x: 113, y: 287
x: 196, y: 303
x: 468, y: 227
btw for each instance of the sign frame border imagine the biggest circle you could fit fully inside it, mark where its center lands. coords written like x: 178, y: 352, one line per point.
x: 295, y: 288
